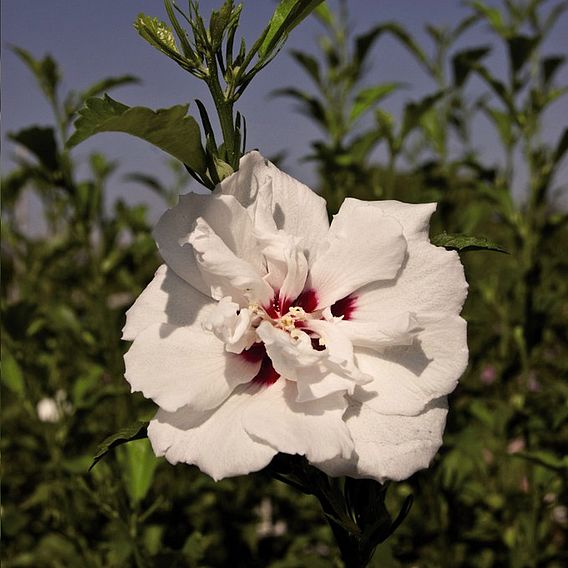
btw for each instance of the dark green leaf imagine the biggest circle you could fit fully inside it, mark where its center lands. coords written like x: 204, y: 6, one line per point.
x: 503, y: 123
x: 219, y: 22
x: 138, y: 464
x: 286, y: 17
x: 364, y: 42
x: 107, y: 84
x: 310, y: 106
x: 561, y: 147
x: 520, y: 50
x: 169, y: 129
x: 370, y: 96
x: 41, y: 143
x: 309, y: 63
x: 180, y: 32
x: 413, y: 112
x: 12, y: 375
x: 135, y: 431
x: 550, y: 66
x: 464, y: 61
x: 45, y: 71
x: 461, y: 242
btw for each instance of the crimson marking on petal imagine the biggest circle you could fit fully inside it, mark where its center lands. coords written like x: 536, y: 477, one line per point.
x: 273, y: 309
x: 266, y: 375
x: 255, y: 353
x: 308, y: 300
x: 344, y: 307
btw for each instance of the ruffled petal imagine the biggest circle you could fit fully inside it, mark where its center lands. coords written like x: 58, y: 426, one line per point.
x: 215, y: 440
x: 407, y: 378
x: 400, y: 329
x: 390, y: 446
x: 314, y: 429
x: 296, y: 208
x: 363, y: 246
x: 178, y: 366
x: 167, y: 299
x: 289, y: 356
x: 226, y: 273
x: 226, y: 217
x: 432, y: 279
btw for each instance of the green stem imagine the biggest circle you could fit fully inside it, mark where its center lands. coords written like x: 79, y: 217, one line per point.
x: 224, y: 107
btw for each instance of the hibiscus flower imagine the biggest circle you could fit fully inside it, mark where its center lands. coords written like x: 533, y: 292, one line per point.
x: 269, y: 330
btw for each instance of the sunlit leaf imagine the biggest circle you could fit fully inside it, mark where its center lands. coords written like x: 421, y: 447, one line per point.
x: 138, y: 464
x: 12, y: 375
x: 168, y: 129
x: 465, y: 243
x: 286, y: 17
x: 370, y: 96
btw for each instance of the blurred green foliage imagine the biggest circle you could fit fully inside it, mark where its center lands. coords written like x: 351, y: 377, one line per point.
x: 496, y: 494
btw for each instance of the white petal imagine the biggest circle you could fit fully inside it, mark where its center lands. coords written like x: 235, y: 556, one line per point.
x: 388, y: 446
x: 232, y: 325
x: 287, y: 264
x: 407, y: 378
x: 289, y: 355
x: 215, y: 441
x: 223, y: 270
x: 227, y: 218
x: 296, y: 208
x: 414, y: 217
x: 431, y: 281
x: 363, y: 246
x: 167, y: 299
x: 399, y: 329
x: 314, y: 429
x: 178, y: 366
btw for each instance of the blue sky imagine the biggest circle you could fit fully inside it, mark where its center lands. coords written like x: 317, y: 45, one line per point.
x: 92, y: 40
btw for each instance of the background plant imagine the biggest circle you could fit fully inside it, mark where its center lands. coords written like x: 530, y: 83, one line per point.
x: 496, y: 495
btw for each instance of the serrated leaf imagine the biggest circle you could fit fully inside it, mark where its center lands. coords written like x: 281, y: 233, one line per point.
x: 135, y: 431
x: 41, y: 143
x: 168, y: 129
x: 368, y: 97
x: 464, y: 243
x: 286, y: 17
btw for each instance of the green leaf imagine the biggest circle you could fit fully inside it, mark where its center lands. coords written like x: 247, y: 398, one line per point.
x: 310, y: 106
x: 138, y: 464
x: 492, y: 15
x: 364, y: 42
x: 135, y: 431
x: 413, y: 112
x: 45, y: 71
x: 12, y: 376
x: 286, y: 17
x: 464, y: 61
x: 369, y: 97
x: 545, y: 459
x: 41, y: 143
x: 464, y: 243
x: 550, y: 66
x: 107, y: 84
x: 310, y: 65
x: 520, y: 50
x: 168, y: 129
x: 561, y: 147
x: 219, y: 22
x: 503, y: 123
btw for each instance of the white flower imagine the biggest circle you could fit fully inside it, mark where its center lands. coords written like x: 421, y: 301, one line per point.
x: 268, y: 330
x: 53, y: 409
